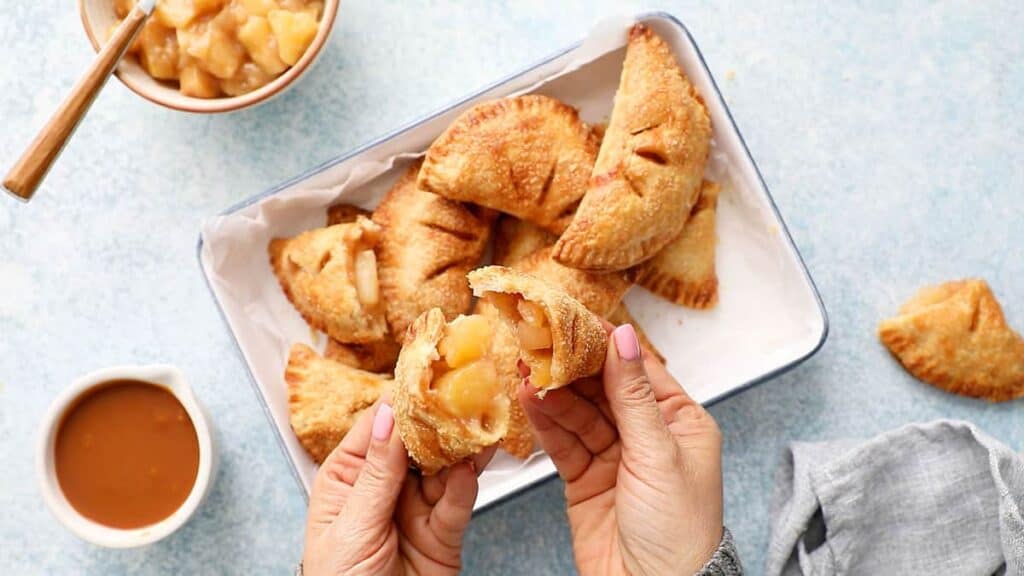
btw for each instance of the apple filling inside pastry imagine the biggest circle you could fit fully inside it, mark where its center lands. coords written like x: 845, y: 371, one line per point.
x: 466, y: 381
x: 367, y: 288
x: 533, y: 331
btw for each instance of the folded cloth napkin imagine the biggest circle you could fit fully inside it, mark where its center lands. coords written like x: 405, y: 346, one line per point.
x: 935, y: 498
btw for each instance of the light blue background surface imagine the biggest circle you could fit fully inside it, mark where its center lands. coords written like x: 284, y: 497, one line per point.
x: 891, y: 138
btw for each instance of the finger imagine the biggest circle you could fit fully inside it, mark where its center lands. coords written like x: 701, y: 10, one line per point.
x: 433, y: 486
x: 344, y: 462
x: 450, y: 516
x: 375, y: 492
x: 579, y: 416
x: 632, y: 399
x: 566, y: 450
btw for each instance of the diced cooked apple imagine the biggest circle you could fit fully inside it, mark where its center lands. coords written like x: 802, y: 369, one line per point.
x: 532, y: 313
x: 469, y: 391
x: 258, y: 7
x: 218, y: 53
x: 207, y: 6
x: 248, y: 78
x: 366, y: 278
x: 158, y: 51
x: 467, y: 340
x: 540, y: 370
x: 294, y: 32
x: 533, y: 337
x: 198, y: 83
x: 259, y: 41
x: 175, y: 13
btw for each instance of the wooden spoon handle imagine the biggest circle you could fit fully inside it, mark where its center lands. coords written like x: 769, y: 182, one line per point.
x: 35, y: 162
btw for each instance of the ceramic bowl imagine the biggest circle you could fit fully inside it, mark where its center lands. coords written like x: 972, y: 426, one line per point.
x: 98, y: 16
x: 170, y: 378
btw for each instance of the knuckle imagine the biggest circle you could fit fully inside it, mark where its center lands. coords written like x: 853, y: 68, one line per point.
x: 636, y: 388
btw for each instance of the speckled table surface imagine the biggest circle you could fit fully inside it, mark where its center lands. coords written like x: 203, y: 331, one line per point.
x: 890, y: 136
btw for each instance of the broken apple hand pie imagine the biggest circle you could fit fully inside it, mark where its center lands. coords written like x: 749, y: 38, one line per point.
x: 449, y: 400
x: 325, y: 398
x: 330, y: 276
x: 649, y: 169
x: 954, y: 336
x: 528, y: 156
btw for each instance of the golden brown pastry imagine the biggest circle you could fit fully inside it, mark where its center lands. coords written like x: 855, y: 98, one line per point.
x: 448, y: 399
x: 427, y: 245
x: 515, y: 239
x: 345, y: 213
x: 330, y: 276
x: 620, y: 316
x: 684, y: 271
x: 649, y: 169
x: 325, y: 398
x: 600, y: 292
x: 528, y: 156
x: 954, y: 336
x: 377, y: 356
x: 559, y: 339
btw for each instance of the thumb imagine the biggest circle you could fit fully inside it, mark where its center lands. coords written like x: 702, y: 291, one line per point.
x: 631, y: 398
x: 375, y: 492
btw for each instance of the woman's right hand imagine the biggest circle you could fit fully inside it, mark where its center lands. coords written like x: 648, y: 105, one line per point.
x: 641, y: 463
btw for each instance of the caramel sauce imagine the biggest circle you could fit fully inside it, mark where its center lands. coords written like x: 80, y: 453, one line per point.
x: 126, y: 454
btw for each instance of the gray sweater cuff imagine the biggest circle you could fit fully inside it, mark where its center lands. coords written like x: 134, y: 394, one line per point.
x: 725, y: 561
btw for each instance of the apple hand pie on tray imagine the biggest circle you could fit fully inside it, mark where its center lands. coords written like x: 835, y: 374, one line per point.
x: 954, y: 336
x: 325, y: 398
x: 330, y: 276
x: 529, y: 156
x: 684, y: 271
x: 650, y: 165
x: 427, y: 245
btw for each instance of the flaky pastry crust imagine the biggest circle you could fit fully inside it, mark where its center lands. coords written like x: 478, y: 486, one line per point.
x: 579, y: 342
x: 529, y: 156
x: 325, y: 398
x: 428, y: 244
x: 599, y: 292
x: 954, y: 336
x: 684, y: 271
x: 649, y: 169
x: 345, y: 213
x: 434, y: 438
x: 317, y: 273
x: 377, y: 356
x: 515, y: 239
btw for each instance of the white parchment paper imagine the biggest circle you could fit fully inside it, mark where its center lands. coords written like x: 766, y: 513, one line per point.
x: 767, y: 318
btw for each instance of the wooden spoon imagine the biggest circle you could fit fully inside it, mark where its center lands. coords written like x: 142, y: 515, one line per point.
x: 28, y: 173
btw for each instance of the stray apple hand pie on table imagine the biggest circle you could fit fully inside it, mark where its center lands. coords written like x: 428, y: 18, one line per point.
x: 528, y: 156
x: 325, y: 398
x: 330, y: 276
x: 954, y: 336
x: 650, y: 165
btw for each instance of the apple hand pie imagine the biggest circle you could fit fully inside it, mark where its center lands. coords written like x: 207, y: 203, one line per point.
x: 449, y: 400
x: 599, y: 292
x: 515, y: 239
x: 684, y: 271
x: 954, y: 336
x: 427, y: 245
x: 648, y: 172
x: 325, y: 398
x: 529, y: 156
x: 345, y: 214
x: 377, y: 356
x: 330, y: 276
x: 620, y: 316
x: 560, y: 341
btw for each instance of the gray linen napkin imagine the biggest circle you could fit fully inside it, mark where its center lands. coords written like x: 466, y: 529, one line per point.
x: 935, y: 498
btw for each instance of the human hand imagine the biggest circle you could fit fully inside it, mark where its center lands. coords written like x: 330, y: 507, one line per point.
x: 368, y: 514
x: 641, y: 463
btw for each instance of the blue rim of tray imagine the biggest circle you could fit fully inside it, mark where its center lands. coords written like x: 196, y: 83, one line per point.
x: 642, y: 17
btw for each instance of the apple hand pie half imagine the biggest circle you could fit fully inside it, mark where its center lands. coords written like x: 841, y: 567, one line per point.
x: 325, y: 398
x: 529, y: 156
x: 449, y: 399
x: 684, y: 271
x: 649, y: 169
x: 954, y: 336
x: 330, y: 276
x: 560, y: 341
x: 427, y: 245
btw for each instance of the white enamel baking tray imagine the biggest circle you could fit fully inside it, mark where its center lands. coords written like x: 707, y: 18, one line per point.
x: 769, y: 318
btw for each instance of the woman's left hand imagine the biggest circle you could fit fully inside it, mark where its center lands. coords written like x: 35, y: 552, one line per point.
x: 368, y: 514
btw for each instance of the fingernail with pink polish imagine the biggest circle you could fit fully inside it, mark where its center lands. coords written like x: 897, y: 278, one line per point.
x: 626, y: 343
x: 383, y: 422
